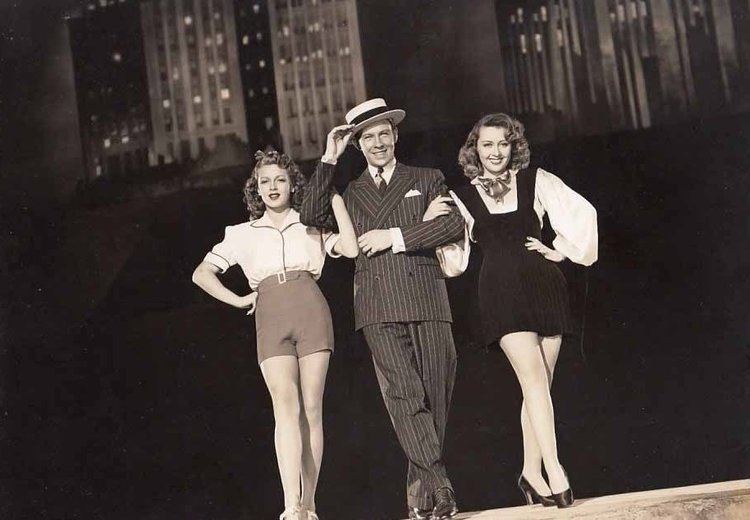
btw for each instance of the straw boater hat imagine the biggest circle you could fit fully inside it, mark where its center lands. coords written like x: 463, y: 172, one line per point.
x: 372, y: 111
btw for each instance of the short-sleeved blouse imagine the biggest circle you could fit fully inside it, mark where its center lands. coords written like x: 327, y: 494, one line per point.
x: 262, y: 250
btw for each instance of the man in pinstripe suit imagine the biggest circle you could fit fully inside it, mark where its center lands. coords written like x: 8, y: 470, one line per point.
x: 400, y: 300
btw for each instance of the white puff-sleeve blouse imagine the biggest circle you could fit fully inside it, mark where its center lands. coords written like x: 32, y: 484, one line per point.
x: 262, y: 250
x: 572, y: 217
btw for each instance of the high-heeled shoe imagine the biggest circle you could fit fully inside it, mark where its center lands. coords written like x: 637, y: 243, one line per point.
x: 564, y: 498
x: 290, y: 513
x: 531, y: 494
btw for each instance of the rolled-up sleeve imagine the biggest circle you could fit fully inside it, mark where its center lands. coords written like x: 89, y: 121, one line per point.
x: 223, y: 255
x: 572, y: 217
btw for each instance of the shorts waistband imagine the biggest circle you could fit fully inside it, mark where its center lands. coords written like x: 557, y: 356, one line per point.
x: 281, y: 278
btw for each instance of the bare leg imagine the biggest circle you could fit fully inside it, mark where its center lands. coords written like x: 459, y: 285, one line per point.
x: 281, y: 374
x: 532, y: 454
x: 313, y: 369
x: 522, y: 349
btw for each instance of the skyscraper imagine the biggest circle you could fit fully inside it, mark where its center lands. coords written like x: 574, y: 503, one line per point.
x: 317, y: 67
x: 256, y: 71
x: 636, y: 62
x: 193, y: 75
x: 111, y: 87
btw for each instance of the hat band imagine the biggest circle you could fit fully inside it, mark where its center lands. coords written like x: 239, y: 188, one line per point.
x: 364, y: 116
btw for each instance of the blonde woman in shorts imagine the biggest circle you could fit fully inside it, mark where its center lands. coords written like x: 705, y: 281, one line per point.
x: 282, y: 259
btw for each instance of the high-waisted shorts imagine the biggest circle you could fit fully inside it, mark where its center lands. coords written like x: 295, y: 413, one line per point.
x: 292, y: 317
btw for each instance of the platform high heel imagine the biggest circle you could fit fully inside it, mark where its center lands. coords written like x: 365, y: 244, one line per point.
x: 531, y: 494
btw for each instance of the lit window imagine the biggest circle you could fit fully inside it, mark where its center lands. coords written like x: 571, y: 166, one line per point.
x: 282, y: 61
x: 197, y: 100
x: 98, y: 167
x: 94, y: 118
x: 217, y: 15
x: 304, y: 58
x: 259, y: 36
x: 209, y: 41
x: 265, y: 90
x: 91, y: 8
x: 262, y: 64
x: 103, y: 3
x: 251, y: 93
x: 225, y: 93
x: 346, y: 51
x: 188, y: 20
x: 245, y: 40
x: 176, y: 73
x: 256, y: 8
x: 248, y: 66
x: 211, y: 69
x: 285, y: 30
x: 107, y: 143
x: 222, y: 68
x: 219, y: 38
x: 125, y: 140
x: 320, y: 53
x: 269, y: 123
x: 117, y: 57
x: 166, y: 103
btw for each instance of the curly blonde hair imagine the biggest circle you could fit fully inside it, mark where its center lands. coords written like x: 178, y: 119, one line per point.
x: 252, y: 198
x: 520, y: 154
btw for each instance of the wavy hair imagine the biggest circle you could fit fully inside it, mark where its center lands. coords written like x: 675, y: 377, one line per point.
x: 520, y: 154
x: 251, y: 195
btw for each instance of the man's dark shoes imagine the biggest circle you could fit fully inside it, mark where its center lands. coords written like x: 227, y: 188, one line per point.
x: 445, y: 504
x: 419, y: 514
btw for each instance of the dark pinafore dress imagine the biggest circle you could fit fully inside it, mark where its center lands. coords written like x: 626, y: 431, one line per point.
x: 519, y: 290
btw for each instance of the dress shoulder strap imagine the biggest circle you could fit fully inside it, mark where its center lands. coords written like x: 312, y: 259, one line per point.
x: 526, y: 183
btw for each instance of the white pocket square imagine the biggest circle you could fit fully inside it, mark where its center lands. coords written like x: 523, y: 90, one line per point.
x: 412, y: 193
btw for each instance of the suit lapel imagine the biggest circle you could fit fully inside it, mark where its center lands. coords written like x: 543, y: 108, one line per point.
x: 401, y: 182
x: 366, y: 193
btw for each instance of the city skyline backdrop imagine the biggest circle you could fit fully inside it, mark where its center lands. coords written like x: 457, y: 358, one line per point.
x: 692, y: 61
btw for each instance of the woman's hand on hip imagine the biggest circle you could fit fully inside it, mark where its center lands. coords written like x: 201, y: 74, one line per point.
x: 553, y: 255
x: 248, y: 302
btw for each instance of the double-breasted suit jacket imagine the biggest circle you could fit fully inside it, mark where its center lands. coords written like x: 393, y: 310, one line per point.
x: 392, y: 287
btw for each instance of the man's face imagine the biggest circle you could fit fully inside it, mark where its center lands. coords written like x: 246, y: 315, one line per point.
x: 378, y: 143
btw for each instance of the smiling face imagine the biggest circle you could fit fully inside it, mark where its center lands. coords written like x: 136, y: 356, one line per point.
x: 274, y: 186
x: 378, y: 143
x: 493, y: 149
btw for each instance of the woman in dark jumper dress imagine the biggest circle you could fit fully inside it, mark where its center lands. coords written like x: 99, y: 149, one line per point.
x: 523, y: 297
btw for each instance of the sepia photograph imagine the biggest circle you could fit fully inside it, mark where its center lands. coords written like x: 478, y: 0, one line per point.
x: 374, y: 259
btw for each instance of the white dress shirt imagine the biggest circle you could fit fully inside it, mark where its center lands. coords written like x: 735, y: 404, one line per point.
x: 572, y: 217
x: 263, y: 250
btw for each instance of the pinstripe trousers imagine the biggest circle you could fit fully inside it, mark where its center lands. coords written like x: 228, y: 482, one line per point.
x: 415, y: 363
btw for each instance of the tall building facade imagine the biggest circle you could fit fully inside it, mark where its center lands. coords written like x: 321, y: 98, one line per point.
x: 603, y: 65
x: 193, y: 74
x: 257, y: 73
x: 317, y: 68
x: 111, y: 87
